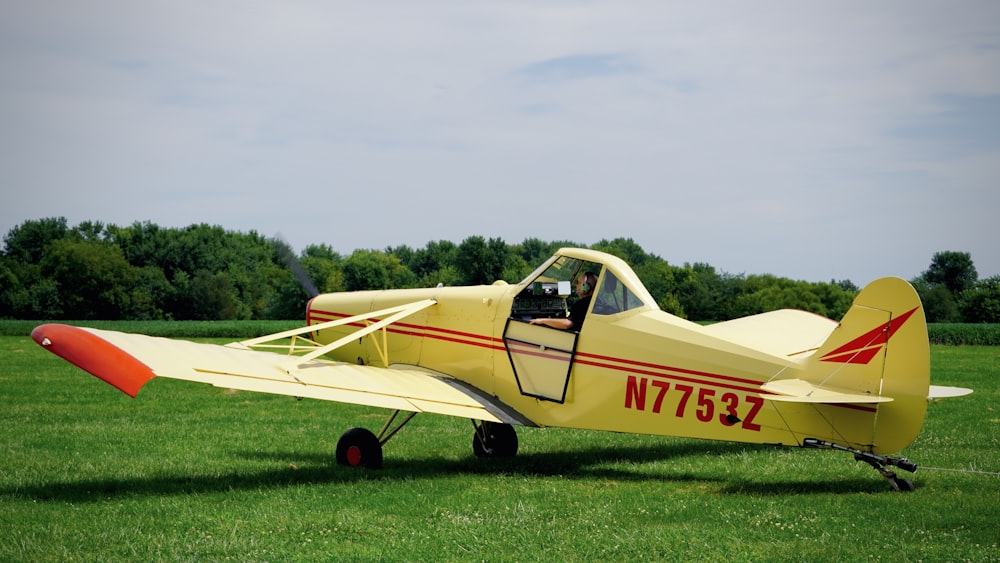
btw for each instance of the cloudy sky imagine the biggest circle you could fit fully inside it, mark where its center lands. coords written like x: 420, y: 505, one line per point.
x: 811, y: 140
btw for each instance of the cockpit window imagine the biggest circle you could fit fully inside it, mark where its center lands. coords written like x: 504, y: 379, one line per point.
x: 614, y: 297
x: 546, y: 294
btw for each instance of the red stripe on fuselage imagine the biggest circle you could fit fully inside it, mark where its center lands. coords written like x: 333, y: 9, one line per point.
x: 516, y: 347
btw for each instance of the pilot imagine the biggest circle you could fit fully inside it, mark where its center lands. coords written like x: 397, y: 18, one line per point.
x: 585, y: 285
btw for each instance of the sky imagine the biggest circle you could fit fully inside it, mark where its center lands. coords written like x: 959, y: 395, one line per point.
x: 828, y: 140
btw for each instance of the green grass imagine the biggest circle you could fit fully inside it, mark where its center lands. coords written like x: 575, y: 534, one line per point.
x: 190, y: 472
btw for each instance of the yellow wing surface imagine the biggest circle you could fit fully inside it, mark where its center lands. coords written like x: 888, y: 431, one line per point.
x: 127, y: 361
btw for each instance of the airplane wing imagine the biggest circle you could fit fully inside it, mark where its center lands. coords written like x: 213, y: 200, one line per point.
x: 128, y: 361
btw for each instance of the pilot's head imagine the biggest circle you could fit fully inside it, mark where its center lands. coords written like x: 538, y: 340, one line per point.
x: 586, y: 283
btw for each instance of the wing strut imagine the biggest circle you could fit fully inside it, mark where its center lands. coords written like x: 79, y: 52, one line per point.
x: 395, y: 314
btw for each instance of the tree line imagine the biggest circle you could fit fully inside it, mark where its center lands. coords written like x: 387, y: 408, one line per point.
x: 51, y: 270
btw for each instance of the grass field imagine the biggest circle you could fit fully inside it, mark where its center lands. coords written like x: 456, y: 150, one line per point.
x: 191, y: 472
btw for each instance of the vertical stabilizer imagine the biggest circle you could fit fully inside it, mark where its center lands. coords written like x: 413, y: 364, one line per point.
x: 880, y: 349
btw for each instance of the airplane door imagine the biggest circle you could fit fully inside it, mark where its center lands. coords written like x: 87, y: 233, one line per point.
x: 541, y: 357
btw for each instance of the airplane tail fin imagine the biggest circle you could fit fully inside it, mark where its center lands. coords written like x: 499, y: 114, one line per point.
x: 875, y: 364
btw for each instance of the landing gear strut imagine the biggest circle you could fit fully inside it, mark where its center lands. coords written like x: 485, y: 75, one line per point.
x: 879, y: 462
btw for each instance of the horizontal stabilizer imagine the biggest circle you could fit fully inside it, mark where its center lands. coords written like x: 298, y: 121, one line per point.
x: 943, y: 392
x: 801, y: 391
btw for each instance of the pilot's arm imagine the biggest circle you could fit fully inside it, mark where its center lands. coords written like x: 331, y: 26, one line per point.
x: 561, y: 323
x: 574, y: 321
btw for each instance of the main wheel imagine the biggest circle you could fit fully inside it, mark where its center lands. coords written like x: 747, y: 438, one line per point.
x: 358, y: 447
x: 494, y: 440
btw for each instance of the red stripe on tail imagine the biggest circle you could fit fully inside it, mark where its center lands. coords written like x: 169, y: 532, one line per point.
x: 859, y: 350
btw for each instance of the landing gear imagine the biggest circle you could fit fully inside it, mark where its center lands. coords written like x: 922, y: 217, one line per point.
x: 358, y: 447
x: 879, y: 462
x: 901, y: 485
x: 494, y: 440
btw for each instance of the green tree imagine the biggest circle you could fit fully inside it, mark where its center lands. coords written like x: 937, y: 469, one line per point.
x: 763, y: 293
x: 953, y: 270
x: 939, y: 305
x: 289, y: 298
x: 371, y: 269
x: 43, y: 301
x: 950, y: 274
x: 698, y: 292
x: 481, y: 261
x: 26, y: 242
x: 145, y: 244
x: 660, y: 278
x: 533, y: 252
x: 324, y: 268
x: 981, y: 303
x: 91, y: 231
x: 516, y: 269
x: 95, y: 280
x: 626, y: 249
x: 213, y: 297
x: 24, y: 294
x: 435, y: 263
x: 150, y: 295
x: 403, y: 252
x: 836, y: 297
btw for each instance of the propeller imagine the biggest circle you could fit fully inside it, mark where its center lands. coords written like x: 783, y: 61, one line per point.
x: 284, y: 250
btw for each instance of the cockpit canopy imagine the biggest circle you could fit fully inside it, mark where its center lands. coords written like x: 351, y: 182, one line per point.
x: 550, y: 289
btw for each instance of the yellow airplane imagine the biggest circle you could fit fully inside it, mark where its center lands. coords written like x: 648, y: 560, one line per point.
x: 604, y: 357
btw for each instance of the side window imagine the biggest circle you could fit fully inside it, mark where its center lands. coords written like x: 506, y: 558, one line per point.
x: 613, y: 297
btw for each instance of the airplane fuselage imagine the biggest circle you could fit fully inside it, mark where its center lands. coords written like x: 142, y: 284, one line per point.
x: 643, y: 372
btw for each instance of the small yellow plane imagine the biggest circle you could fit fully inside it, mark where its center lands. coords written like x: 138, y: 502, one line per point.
x: 528, y: 354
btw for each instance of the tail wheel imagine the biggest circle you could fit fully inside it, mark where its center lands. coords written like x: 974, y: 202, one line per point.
x: 358, y: 447
x: 901, y: 485
x: 494, y: 440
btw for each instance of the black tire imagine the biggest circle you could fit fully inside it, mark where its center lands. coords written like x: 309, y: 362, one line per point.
x: 901, y: 485
x: 358, y: 447
x: 494, y: 440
